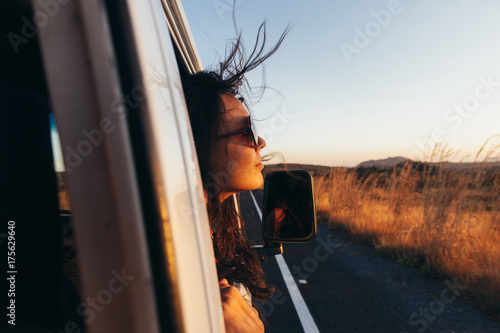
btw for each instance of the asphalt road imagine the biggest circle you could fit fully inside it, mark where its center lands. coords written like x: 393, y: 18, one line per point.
x: 348, y: 287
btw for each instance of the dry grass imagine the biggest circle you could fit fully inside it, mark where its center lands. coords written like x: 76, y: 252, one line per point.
x: 435, y: 216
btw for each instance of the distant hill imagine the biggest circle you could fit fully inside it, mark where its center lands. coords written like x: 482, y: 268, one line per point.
x: 389, y: 162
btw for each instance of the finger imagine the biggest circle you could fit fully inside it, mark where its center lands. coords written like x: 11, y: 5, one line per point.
x: 247, y: 308
x: 224, y: 286
x: 238, y: 313
x: 231, y: 293
x: 240, y: 318
x: 253, y: 321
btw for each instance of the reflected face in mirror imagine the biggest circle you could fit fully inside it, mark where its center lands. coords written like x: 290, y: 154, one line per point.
x: 275, y: 221
x: 286, y: 221
x: 236, y: 160
x: 289, y: 207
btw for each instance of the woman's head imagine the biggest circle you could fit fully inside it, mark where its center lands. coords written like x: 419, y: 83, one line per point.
x: 214, y: 112
x: 236, y: 159
x: 227, y: 165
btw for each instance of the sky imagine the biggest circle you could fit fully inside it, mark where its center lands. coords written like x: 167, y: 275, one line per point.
x: 366, y: 79
x: 361, y: 80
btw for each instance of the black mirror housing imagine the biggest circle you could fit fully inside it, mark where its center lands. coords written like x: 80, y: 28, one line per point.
x: 289, y: 213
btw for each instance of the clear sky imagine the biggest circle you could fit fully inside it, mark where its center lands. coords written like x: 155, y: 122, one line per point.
x: 366, y: 79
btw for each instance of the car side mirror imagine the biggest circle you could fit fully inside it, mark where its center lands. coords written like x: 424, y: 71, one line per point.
x: 289, y: 215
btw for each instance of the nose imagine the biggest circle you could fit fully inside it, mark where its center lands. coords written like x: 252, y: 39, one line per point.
x: 261, y: 144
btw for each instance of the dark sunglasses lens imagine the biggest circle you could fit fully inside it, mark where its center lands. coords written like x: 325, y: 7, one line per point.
x: 255, y: 136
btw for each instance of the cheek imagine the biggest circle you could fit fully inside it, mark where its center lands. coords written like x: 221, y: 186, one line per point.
x: 241, y: 167
x: 218, y: 158
x: 230, y: 165
x: 238, y: 162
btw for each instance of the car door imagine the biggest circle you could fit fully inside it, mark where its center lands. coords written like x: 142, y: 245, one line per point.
x: 144, y: 251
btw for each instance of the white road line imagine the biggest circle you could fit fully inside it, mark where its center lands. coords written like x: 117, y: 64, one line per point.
x: 305, y: 317
x: 256, y: 206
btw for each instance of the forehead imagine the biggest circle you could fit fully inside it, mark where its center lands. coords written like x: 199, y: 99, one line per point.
x: 235, y: 113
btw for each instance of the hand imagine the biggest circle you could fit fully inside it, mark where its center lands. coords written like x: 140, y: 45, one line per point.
x: 239, y: 316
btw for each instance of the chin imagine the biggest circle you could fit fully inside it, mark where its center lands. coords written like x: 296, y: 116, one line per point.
x: 251, y: 181
x: 250, y: 186
x: 259, y: 182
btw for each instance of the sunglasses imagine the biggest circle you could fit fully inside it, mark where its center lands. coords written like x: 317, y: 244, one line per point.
x: 251, y: 130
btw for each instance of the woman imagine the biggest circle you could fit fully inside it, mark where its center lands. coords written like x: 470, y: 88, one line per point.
x: 230, y: 162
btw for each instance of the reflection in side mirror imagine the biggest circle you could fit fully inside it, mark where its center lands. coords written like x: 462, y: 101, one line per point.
x: 289, y: 214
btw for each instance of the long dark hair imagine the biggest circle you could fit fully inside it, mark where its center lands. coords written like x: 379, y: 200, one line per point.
x: 236, y: 261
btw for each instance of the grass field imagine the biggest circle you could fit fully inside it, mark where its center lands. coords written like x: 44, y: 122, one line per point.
x: 437, y: 216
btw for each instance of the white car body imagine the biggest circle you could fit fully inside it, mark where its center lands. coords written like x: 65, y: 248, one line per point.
x: 107, y: 195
